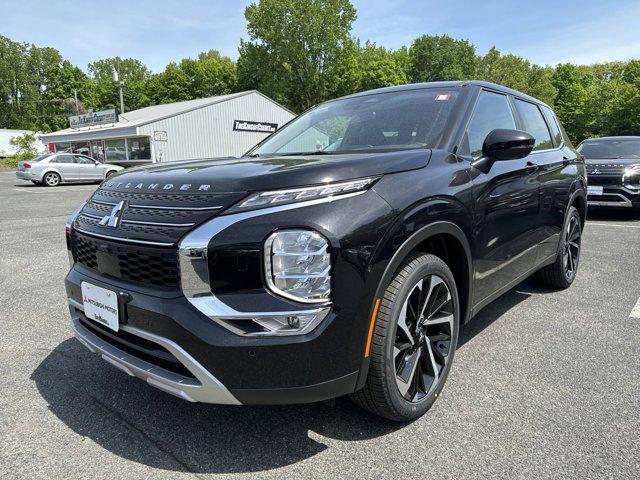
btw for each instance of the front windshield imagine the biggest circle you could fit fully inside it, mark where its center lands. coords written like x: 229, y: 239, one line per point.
x: 618, y: 148
x: 379, y: 122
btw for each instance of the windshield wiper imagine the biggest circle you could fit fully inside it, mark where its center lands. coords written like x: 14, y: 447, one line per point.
x: 317, y: 152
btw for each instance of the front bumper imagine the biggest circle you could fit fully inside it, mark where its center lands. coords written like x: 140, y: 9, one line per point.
x: 221, y: 367
x: 614, y: 196
x: 323, y: 363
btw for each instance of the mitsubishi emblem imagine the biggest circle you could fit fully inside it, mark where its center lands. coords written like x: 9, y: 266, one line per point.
x: 113, y: 219
x: 596, y: 171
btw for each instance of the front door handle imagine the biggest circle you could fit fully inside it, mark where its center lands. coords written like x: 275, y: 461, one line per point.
x: 531, y: 167
x: 566, y: 161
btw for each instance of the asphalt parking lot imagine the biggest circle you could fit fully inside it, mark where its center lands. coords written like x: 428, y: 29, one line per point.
x: 545, y: 384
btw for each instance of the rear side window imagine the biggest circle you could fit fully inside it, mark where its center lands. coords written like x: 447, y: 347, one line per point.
x: 492, y: 111
x: 534, y: 124
x: 552, y: 121
x: 63, y: 159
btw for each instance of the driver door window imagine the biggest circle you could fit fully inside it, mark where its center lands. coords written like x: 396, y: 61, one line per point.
x: 492, y: 111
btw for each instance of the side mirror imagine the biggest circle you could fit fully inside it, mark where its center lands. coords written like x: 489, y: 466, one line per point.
x: 503, y: 144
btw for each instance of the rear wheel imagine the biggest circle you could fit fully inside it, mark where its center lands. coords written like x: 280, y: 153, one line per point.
x: 562, y: 272
x: 414, y: 340
x: 35, y: 182
x: 51, y: 179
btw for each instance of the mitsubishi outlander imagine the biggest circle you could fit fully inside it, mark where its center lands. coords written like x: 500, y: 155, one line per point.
x: 339, y: 256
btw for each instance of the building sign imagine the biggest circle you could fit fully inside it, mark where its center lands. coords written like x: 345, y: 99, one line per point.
x: 247, y: 126
x: 93, y: 118
x: 160, y: 136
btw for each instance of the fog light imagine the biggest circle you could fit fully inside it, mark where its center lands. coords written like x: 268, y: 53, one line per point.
x: 290, y: 324
x: 297, y: 265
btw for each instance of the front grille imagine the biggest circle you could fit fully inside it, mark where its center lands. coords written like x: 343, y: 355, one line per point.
x: 160, y: 218
x: 608, y: 169
x: 147, y: 266
x: 139, y: 347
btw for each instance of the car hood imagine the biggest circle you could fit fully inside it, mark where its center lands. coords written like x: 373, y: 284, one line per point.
x: 263, y: 173
x: 612, y: 161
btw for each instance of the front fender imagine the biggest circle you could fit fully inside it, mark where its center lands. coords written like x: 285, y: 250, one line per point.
x: 439, y: 215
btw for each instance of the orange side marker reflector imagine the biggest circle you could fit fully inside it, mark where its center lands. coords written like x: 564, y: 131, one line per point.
x: 373, y: 321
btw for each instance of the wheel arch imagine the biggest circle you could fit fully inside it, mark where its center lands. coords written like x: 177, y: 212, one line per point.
x: 441, y: 238
x: 426, y: 239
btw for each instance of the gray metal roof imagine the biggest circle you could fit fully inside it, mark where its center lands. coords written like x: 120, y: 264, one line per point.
x: 154, y: 113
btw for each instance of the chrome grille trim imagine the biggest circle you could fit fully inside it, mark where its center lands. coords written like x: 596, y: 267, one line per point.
x: 159, y: 207
x: 124, y: 240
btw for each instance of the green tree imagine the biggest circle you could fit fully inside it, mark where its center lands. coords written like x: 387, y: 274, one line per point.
x: 379, y: 67
x: 133, y: 75
x: 439, y: 58
x: 299, y: 42
x: 209, y: 75
x: 25, y: 145
x: 572, y: 103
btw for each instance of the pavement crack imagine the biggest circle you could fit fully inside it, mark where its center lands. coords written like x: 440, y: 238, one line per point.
x: 143, y: 434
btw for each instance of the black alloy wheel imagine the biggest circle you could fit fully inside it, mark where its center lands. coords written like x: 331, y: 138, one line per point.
x: 572, y: 239
x: 562, y: 272
x: 413, y: 340
x: 423, y: 338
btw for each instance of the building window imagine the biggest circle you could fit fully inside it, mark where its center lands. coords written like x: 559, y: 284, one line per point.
x: 139, y: 148
x: 81, y: 147
x: 63, y: 147
x: 115, y: 150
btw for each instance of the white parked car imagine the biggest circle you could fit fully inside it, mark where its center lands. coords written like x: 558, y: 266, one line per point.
x: 52, y: 169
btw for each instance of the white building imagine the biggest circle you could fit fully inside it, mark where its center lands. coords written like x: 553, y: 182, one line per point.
x: 222, y: 126
x: 7, y: 150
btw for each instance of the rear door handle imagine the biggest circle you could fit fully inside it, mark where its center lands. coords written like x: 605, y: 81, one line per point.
x: 566, y: 161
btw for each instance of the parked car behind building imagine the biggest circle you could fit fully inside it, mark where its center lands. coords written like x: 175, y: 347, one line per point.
x: 52, y: 169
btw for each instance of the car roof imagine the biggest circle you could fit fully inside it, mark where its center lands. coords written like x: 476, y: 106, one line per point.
x: 619, y: 137
x: 451, y: 84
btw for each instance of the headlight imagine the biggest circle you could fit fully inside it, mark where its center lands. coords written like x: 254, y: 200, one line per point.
x: 279, y: 197
x: 298, y: 265
x: 631, y: 177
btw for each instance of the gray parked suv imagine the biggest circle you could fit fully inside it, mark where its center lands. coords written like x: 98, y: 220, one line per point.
x: 52, y: 169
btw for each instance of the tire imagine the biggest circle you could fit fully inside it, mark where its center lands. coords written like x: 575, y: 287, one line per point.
x: 109, y: 173
x: 35, y: 182
x: 394, y: 389
x: 562, y: 272
x: 51, y: 179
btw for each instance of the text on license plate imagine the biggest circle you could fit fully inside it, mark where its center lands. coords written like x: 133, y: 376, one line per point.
x: 594, y: 190
x: 100, y: 305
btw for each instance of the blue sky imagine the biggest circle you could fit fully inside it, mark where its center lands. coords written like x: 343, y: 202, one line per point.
x: 157, y: 32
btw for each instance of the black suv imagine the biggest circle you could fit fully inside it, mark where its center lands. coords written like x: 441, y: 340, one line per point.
x: 613, y: 168
x: 339, y: 256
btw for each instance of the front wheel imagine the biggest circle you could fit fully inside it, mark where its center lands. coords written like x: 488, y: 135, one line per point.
x: 413, y: 342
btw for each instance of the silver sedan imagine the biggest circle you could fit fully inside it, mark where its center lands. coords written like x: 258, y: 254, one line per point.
x: 54, y: 168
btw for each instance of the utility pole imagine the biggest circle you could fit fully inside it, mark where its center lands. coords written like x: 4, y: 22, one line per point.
x: 116, y: 78
x: 75, y: 97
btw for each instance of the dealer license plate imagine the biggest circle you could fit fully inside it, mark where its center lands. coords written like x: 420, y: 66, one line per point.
x: 594, y: 190
x: 100, y: 305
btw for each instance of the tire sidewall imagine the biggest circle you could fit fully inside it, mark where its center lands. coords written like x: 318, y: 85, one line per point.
x: 45, y: 182
x: 430, y: 266
x: 573, y: 212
